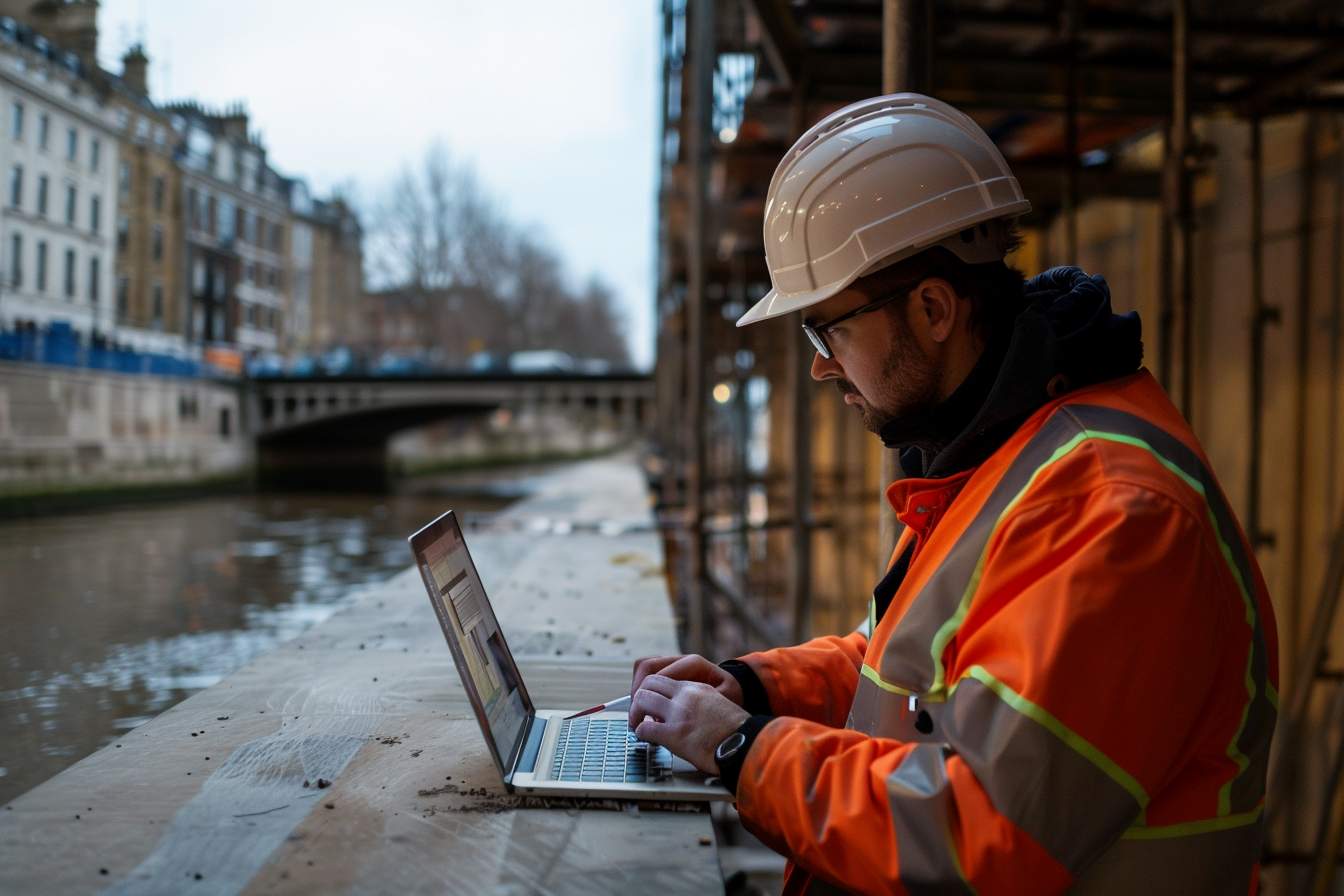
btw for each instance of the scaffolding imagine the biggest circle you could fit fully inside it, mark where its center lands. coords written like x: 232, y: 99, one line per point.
x: 1191, y: 152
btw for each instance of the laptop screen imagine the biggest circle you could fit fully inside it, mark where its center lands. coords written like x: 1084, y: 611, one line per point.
x: 488, y: 672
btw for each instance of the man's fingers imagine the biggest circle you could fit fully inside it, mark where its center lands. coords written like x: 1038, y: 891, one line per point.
x: 659, y: 683
x: 692, y: 667
x: 649, y: 703
x: 652, y: 730
x: 647, y: 666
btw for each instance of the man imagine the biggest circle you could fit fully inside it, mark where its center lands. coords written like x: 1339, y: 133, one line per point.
x: 1067, y: 677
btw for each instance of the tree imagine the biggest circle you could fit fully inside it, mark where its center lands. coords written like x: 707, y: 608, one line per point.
x: 439, y: 240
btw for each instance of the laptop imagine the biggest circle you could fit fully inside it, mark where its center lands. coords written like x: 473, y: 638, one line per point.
x: 538, y: 751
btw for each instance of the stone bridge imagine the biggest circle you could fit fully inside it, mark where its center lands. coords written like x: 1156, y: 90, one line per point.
x: 336, y: 429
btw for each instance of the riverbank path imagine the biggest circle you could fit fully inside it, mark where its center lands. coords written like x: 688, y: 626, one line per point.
x: 209, y: 797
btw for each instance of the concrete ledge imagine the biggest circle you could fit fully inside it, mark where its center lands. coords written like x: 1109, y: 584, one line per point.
x: 209, y: 796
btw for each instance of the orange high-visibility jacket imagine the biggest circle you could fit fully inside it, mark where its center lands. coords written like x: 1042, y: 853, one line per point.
x: 1073, y: 687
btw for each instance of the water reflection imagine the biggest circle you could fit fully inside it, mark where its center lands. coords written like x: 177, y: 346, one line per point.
x: 112, y: 617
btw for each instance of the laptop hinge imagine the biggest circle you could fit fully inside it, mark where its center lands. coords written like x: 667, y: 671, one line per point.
x: 527, y: 757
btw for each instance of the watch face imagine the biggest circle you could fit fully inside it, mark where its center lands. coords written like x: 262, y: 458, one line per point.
x: 730, y: 745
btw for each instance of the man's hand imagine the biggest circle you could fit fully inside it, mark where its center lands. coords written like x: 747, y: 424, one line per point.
x: 690, y: 718
x: 688, y: 667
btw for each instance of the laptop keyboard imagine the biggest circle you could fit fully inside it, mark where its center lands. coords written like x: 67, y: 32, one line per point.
x: 606, y: 751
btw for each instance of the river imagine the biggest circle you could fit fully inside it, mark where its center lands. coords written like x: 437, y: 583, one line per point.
x: 110, y: 617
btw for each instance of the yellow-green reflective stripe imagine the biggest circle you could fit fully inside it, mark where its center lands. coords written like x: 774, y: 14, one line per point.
x: 1241, y: 760
x: 956, y: 860
x: 871, y: 674
x: 949, y: 628
x: 1072, y: 740
x: 1191, y: 828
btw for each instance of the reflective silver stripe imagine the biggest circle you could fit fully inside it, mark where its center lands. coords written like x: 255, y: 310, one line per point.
x: 921, y: 801
x: 1250, y: 747
x: 907, y: 658
x: 878, y: 713
x: 1055, y: 793
x: 1216, y: 862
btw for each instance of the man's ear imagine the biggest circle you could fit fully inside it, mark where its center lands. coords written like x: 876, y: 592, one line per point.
x: 938, y: 307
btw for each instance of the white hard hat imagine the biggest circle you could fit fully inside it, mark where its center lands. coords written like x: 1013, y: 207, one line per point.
x: 875, y: 182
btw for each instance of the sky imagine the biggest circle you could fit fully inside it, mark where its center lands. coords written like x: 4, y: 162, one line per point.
x: 554, y: 103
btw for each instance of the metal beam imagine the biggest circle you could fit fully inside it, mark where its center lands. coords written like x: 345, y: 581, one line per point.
x: 783, y: 40
x: 1260, y: 99
x: 1184, y: 223
x: 701, y: 59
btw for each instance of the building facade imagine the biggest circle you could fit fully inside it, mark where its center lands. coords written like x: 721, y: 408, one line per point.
x: 235, y: 214
x: 59, y: 158
x: 149, y: 229
x: 338, y: 279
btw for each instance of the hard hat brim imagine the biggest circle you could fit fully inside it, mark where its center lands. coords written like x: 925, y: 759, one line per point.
x: 777, y: 304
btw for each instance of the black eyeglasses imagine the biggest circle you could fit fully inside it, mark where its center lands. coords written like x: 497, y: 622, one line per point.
x: 816, y: 333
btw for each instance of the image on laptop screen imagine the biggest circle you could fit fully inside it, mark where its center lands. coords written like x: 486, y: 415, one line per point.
x: 457, y: 590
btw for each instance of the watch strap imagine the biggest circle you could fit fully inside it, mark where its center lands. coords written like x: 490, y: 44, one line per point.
x: 754, y: 698
x: 730, y: 769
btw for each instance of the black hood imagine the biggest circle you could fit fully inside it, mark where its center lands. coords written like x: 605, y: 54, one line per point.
x: 1065, y: 337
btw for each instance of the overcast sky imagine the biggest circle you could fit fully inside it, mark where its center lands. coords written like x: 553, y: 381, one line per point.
x: 556, y: 103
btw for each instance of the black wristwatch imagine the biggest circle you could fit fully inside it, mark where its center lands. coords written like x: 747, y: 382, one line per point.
x: 730, y: 746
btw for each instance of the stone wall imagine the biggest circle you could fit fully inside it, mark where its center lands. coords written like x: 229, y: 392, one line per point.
x: 64, y: 427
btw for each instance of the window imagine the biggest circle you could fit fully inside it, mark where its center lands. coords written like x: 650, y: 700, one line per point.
x: 71, y: 144
x: 93, y: 279
x: 70, y: 274
x: 95, y: 214
x: 71, y: 200
x: 192, y: 206
x: 252, y: 220
x: 157, y: 319
x: 95, y: 151
x: 225, y: 425
x: 43, y: 130
x: 123, y: 296
x: 157, y: 243
x: 16, y: 186
x: 276, y: 237
x: 16, y: 121
x: 124, y: 178
x: 240, y: 223
x: 42, y: 184
x: 158, y: 193
x: 16, y: 260
x: 123, y: 233
x: 226, y: 219
x: 41, y: 266
x: 210, y: 215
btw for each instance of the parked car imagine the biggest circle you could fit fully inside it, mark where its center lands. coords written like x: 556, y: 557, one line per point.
x: 486, y: 362
x: 303, y: 365
x: 541, y: 361
x: 338, y: 361
x: 390, y: 363
x: 265, y: 364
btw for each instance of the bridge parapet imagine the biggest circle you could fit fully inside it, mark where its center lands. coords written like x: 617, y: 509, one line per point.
x: 278, y: 405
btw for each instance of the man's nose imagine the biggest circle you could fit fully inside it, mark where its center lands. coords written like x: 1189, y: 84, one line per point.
x: 825, y: 368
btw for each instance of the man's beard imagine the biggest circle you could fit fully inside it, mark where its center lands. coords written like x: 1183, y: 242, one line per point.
x: 908, y: 390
